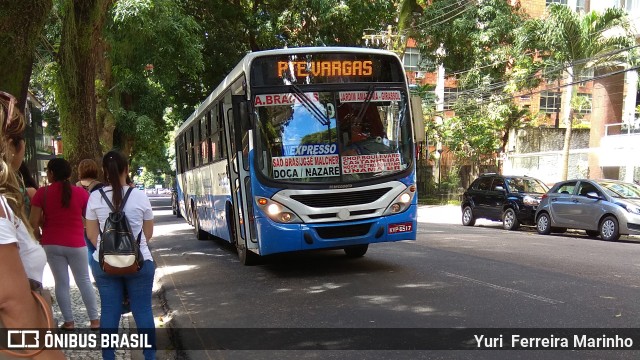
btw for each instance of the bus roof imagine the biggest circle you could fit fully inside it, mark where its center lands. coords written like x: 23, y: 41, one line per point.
x: 244, y: 64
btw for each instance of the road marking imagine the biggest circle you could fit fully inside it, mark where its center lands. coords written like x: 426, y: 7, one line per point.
x: 506, y: 289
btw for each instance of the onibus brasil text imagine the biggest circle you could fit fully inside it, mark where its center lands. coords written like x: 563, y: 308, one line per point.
x: 29, y: 339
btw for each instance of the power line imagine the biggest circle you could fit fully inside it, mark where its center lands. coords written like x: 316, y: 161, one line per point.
x: 504, y: 97
x: 426, y: 23
x: 502, y: 84
x: 630, y: 20
x: 452, y: 16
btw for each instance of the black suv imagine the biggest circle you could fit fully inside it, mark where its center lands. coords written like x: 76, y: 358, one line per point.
x: 510, y: 199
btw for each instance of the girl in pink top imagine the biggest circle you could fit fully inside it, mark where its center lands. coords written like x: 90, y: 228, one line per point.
x: 58, y: 209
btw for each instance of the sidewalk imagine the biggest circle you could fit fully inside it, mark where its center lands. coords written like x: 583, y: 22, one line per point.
x: 82, y: 320
x: 440, y: 214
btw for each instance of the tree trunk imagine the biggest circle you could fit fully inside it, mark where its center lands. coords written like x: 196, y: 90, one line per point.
x: 567, y: 115
x: 82, y: 25
x: 21, y: 23
x: 106, y: 122
x: 565, y: 150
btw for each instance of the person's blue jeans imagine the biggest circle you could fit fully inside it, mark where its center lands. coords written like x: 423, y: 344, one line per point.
x: 139, y: 286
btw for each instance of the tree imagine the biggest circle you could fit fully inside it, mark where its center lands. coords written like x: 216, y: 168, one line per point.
x: 478, y: 131
x: 475, y: 42
x: 152, y: 78
x: 21, y: 22
x: 236, y: 27
x: 565, y: 44
x: 477, y: 38
x: 82, y: 25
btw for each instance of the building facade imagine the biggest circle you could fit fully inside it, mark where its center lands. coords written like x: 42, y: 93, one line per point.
x: 614, y: 128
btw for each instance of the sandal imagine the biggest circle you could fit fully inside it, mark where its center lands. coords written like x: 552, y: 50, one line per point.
x: 95, y: 325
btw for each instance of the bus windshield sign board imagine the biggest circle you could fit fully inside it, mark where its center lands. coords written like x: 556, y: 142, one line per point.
x: 325, y: 68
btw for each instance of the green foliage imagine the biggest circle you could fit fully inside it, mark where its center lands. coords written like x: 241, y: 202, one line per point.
x: 478, y: 131
x: 450, y: 182
x: 156, y: 57
x: 565, y: 44
x: 320, y: 137
x: 565, y: 40
x: 156, y: 48
x: 476, y: 37
x: 149, y: 178
x: 231, y: 29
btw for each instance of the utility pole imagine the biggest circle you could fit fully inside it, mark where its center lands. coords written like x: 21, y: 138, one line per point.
x: 386, y: 38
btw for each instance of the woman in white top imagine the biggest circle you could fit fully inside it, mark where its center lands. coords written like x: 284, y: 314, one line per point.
x: 137, y: 285
x: 21, y: 257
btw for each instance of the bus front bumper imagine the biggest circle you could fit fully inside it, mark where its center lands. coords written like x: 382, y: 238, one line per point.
x: 277, y: 238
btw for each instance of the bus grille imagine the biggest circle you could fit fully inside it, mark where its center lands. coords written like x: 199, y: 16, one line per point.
x: 334, y: 232
x: 333, y: 215
x: 341, y: 198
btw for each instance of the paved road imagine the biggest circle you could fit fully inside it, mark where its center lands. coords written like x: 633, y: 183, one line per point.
x: 451, y: 277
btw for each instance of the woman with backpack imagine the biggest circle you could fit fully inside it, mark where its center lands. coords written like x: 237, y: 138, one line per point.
x: 62, y: 206
x: 137, y: 284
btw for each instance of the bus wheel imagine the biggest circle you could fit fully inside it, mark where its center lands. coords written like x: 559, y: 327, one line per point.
x: 356, y: 251
x: 246, y: 257
x: 200, y: 234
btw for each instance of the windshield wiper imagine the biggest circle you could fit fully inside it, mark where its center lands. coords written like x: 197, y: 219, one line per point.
x: 365, y: 105
x: 310, y: 106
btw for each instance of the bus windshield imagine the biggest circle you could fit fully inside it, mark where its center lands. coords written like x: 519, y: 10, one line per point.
x: 333, y: 136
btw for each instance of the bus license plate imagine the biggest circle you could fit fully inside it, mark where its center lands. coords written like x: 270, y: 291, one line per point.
x: 398, y: 228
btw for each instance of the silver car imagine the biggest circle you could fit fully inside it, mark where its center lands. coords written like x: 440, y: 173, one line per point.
x: 605, y: 208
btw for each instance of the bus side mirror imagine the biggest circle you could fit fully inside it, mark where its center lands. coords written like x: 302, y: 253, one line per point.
x: 418, y: 117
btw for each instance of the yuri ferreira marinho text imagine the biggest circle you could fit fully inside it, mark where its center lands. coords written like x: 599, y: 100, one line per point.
x: 553, y: 342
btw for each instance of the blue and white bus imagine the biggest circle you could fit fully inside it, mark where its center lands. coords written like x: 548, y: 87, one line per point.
x: 302, y: 149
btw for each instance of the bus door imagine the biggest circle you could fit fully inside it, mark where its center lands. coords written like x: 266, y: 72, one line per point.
x: 238, y: 132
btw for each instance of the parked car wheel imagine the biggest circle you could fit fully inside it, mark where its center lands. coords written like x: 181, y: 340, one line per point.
x: 593, y: 233
x: 609, y: 229
x: 510, y: 220
x: 467, y: 217
x: 543, y: 224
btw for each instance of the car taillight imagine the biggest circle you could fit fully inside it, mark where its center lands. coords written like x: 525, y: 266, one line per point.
x: 543, y: 197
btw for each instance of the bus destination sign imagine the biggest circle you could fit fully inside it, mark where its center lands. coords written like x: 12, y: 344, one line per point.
x: 325, y: 68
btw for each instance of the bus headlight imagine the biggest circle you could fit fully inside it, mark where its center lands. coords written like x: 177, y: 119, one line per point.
x: 402, y: 201
x: 276, y: 211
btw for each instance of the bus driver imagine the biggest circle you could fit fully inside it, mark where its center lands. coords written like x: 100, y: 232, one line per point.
x: 364, y: 136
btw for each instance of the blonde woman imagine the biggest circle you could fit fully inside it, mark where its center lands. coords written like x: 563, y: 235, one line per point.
x: 21, y: 258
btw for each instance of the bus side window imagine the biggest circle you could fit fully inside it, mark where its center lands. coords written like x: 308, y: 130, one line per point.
x: 189, y: 142
x: 183, y: 151
x: 213, y: 133
x: 205, y: 148
x: 223, y: 139
x: 176, y: 147
x: 196, y: 144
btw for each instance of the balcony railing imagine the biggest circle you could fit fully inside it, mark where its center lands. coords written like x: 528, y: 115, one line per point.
x: 620, y: 145
x: 621, y: 129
